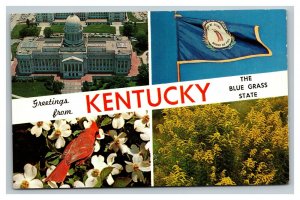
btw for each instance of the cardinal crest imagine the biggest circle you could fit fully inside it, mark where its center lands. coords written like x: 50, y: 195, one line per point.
x: 216, y: 35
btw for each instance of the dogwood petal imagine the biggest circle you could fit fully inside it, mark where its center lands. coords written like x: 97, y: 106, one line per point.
x: 17, y: 185
x: 91, y: 182
x: 66, y: 133
x: 18, y: 177
x: 52, y: 184
x: 148, y: 146
x: 30, y: 171
x: 128, y: 167
x: 111, y: 158
x: 139, y: 125
x: 64, y: 186
x: 87, y: 124
x: 110, y: 179
x: 36, y: 183
x: 60, y: 142
x: 101, y: 134
x: 127, y: 115
x: 117, y: 168
x: 50, y: 170
x: 46, y: 125
x: 78, y: 184
x: 96, y: 146
x: 118, y: 123
x: 145, y: 137
x: 124, y: 148
x: 140, y: 175
x: 97, y: 161
x: 137, y: 158
x: 37, y: 131
x: 134, y: 176
x: 140, y: 113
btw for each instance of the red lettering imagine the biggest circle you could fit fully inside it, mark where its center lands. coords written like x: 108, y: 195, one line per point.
x: 184, y: 93
x: 138, y: 93
x: 125, y: 102
x: 203, y: 91
x: 166, y: 95
x: 107, y: 101
x: 91, y: 103
x: 158, y: 98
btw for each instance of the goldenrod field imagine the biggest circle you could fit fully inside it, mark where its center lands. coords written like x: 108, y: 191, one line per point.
x: 238, y: 143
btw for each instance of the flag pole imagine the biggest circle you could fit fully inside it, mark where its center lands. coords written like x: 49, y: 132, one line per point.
x: 177, y: 15
x: 178, y: 71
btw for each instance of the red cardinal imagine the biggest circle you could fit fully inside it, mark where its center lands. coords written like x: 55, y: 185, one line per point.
x: 78, y: 150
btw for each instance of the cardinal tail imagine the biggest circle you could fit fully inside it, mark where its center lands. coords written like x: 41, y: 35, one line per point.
x: 59, y: 173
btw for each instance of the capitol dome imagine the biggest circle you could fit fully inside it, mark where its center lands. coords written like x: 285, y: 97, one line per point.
x: 73, y: 31
x: 73, y: 20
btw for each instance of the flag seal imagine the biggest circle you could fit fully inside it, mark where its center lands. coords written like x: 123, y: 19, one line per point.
x: 216, y: 35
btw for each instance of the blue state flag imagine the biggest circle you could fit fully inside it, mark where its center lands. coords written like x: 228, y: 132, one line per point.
x: 209, y: 40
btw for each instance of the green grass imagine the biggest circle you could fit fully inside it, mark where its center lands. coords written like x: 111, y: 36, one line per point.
x: 16, y: 30
x: 57, y: 28
x: 99, y: 28
x: 13, y: 49
x: 30, y: 89
x: 142, y: 28
x: 132, y: 18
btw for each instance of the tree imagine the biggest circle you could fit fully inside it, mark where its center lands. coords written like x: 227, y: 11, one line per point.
x: 143, y: 76
x: 29, y: 31
x: 48, y: 32
x: 57, y: 87
x: 142, y: 39
x: 128, y: 29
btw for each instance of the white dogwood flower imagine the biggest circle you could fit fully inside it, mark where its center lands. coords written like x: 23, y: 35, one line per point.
x: 27, y: 180
x: 89, y: 121
x: 93, y: 174
x: 119, y: 119
x: 143, y: 121
x: 61, y: 130
x: 118, y: 142
x: 137, y: 167
x: 39, y: 126
x: 117, y: 168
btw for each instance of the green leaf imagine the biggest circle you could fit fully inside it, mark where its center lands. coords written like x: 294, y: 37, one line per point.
x: 54, y: 162
x: 99, y: 184
x: 70, y: 181
x: 75, y: 133
x: 132, y: 120
x: 50, y: 154
x: 71, y: 171
x: 122, y: 182
x: 106, y: 121
x: 104, y: 173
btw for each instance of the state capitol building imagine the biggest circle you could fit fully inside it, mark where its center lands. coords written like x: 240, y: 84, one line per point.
x: 74, y: 54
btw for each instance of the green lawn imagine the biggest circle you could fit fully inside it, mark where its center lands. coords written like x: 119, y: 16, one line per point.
x: 31, y: 31
x: 13, y: 49
x: 58, y: 28
x: 30, y: 89
x: 141, y: 28
x: 132, y: 18
x: 99, y: 28
x: 16, y: 30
